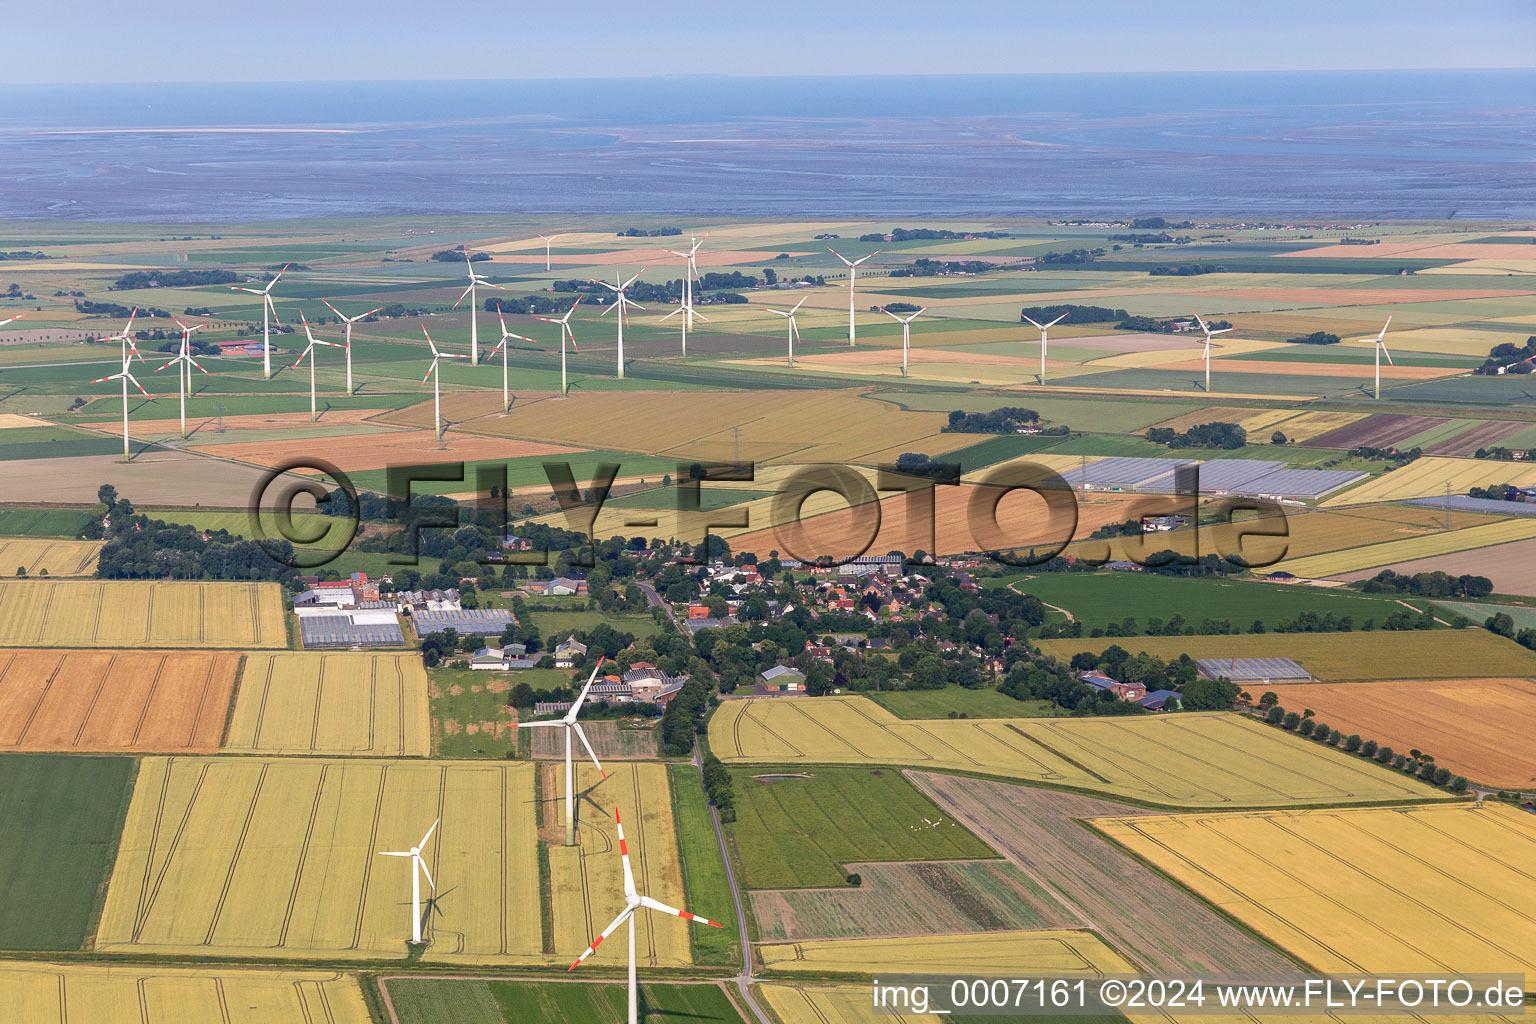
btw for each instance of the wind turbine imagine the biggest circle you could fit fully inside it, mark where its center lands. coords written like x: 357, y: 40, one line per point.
x: 474, y: 309
x: 417, y: 865
x: 547, y: 240
x: 620, y: 302
x: 792, y: 329
x: 1209, y: 334
x: 309, y: 353
x: 125, y: 377
x: 853, y: 272
x: 268, y: 310
x: 1044, y: 341
x: 570, y: 725
x: 633, y: 901
x: 691, y: 257
x: 906, y: 334
x: 18, y: 316
x: 349, y: 322
x: 565, y: 330
x: 1380, y: 342
x: 184, y: 371
x: 125, y: 336
x: 437, y: 391
x: 501, y: 346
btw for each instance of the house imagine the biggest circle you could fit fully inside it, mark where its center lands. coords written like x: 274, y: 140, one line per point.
x: 1121, y: 691
x: 1159, y: 700
x: 650, y: 685
x: 698, y: 611
x: 491, y: 659
x: 568, y: 652
x: 560, y: 586
x: 1281, y: 576
x: 783, y: 678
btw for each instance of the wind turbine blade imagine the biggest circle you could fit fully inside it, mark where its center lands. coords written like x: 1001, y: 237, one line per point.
x: 839, y: 255
x: 430, y: 370
x: 629, y: 875
x: 164, y: 365
x: 395, y: 853
x: 423, y: 865
x: 888, y: 313
x: 464, y: 296
x: 359, y: 316
x: 861, y: 259
x: 134, y: 381
x: 573, y: 306
x: 792, y: 312
x: 428, y: 837
x: 103, y: 380
x: 1387, y: 354
x: 700, y: 316
x: 646, y: 901
x: 624, y: 916
x: 632, y: 302
x: 332, y: 308
x: 276, y: 279
x: 1053, y: 323
x: 672, y: 314
x: 541, y: 725
x: 429, y: 339
x: 582, y: 696
x: 1032, y: 323
x: 583, y: 737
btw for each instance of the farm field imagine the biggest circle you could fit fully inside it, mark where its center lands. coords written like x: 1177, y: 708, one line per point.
x: 1335, y: 563
x: 1063, y: 952
x: 704, y: 878
x: 470, y: 714
x: 115, y: 701
x: 1199, y: 760
x: 123, y: 613
x: 43, y: 993
x: 263, y: 857
x: 42, y: 522
x: 1469, y: 725
x: 376, y: 451
x: 610, y: 741
x: 1429, y: 476
x: 61, y: 814
x: 1156, y: 924
x: 1361, y: 890
x: 1342, y: 657
x: 983, y: 703
x: 169, y: 477
x: 792, y: 831
x: 370, y: 705
x: 41, y: 557
x: 475, y: 1001
x: 1509, y: 566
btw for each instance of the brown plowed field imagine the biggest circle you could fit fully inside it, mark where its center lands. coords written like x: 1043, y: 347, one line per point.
x: 141, y: 701
x: 379, y: 451
x: 1375, y: 431
x: 1364, y: 296
x: 1480, y: 728
x: 1469, y: 441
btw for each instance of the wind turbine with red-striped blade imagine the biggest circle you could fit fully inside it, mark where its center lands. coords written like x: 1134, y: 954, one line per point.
x: 565, y: 331
x: 349, y: 321
x: 18, y: 316
x: 184, y: 371
x: 125, y: 376
x: 125, y: 336
x: 502, y: 346
x: 570, y: 725
x: 634, y: 901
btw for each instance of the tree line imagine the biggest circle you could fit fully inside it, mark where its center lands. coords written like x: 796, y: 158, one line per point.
x: 1415, y: 762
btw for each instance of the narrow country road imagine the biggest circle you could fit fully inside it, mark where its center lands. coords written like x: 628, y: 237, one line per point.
x: 655, y: 600
x: 744, y: 979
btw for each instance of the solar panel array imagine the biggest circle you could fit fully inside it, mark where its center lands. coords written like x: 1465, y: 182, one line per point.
x: 1217, y: 476
x: 339, y: 631
x: 466, y: 621
x: 1252, y: 670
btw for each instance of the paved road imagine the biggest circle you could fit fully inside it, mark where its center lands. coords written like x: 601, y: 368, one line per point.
x: 744, y: 979
x: 655, y: 600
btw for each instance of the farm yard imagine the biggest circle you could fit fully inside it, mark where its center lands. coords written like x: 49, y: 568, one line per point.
x: 41, y: 557
x: 45, y: 613
x: 1193, y: 760
x: 368, y: 705
x: 115, y: 701
x: 1360, y: 890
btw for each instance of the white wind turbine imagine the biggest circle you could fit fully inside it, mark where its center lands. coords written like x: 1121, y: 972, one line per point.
x: 792, y: 329
x: 349, y: 321
x: 621, y: 302
x: 18, y: 316
x: 853, y: 273
x: 125, y: 376
x: 125, y: 336
x: 1209, y: 334
x: 1044, y: 340
x: 686, y: 308
x: 501, y: 346
x: 418, y: 868
x: 184, y: 369
x: 1380, y: 343
x: 437, y: 391
x: 309, y: 353
x: 547, y: 240
x: 633, y: 901
x: 268, y: 315
x: 565, y: 331
x: 570, y: 725
x: 474, y: 308
x: 906, y: 333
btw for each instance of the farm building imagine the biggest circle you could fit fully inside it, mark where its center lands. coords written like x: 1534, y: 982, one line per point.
x: 561, y: 586
x: 783, y: 679
x: 1253, y: 670
x: 430, y: 600
x: 568, y: 652
x: 466, y: 621
x: 1122, y: 691
x: 694, y: 625
x: 339, y: 632
x: 502, y: 659
x: 1161, y: 700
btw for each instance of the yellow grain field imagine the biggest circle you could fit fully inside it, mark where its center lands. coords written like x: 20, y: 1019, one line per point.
x: 586, y: 880
x: 1192, y: 760
x: 1429, y: 476
x: 1378, y: 890
x: 1027, y: 952
x: 277, y: 857
x: 133, y: 613
x: 341, y: 703
x: 40, y: 556
x: 1484, y: 535
x: 43, y: 993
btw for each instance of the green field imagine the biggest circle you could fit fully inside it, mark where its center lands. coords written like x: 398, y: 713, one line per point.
x: 466, y: 1001
x: 455, y: 714
x: 42, y: 522
x: 793, y: 832
x: 1099, y: 413
x: 982, y: 703
x: 1098, y: 599
x: 62, y: 816
x: 709, y: 892
x: 580, y: 618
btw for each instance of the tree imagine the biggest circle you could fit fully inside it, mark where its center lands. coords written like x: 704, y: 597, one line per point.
x: 1306, y: 727
x: 1384, y: 755
x: 1368, y: 748
x: 855, y: 880
x: 522, y: 696
x: 1275, y: 715
x: 1269, y: 699
x: 1352, y: 742
x: 1277, y: 438
x: 1292, y: 720
x: 1458, y: 784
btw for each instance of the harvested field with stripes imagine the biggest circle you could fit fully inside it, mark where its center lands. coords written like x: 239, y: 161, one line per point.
x: 587, y: 879
x: 1334, y: 563
x: 123, y: 613
x: 1430, y: 476
x: 1469, y: 725
x: 1044, y: 952
x: 1512, y: 567
x: 1484, y: 435
x: 1369, y: 890
x: 1189, y: 760
x: 268, y: 857
x: 370, y: 705
x: 43, y: 993
x: 115, y: 701
x: 1138, y: 912
x: 42, y: 557
x: 1379, y: 431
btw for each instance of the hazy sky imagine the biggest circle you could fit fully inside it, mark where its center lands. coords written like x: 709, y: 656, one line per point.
x: 194, y: 40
